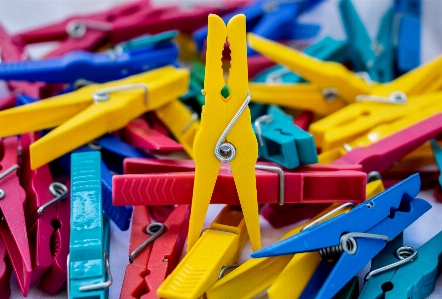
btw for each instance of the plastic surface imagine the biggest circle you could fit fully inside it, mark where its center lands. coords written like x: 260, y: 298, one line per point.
x: 375, y: 213
x: 217, y: 113
x: 86, y: 258
x: 384, y: 153
x: 5, y: 272
x: 218, y: 246
x: 139, y: 134
x: 409, y: 34
x: 415, y: 280
x: 145, y: 177
x: 285, y: 143
x: 95, y: 67
x: 78, y: 117
x: 158, y: 259
x: 12, y: 229
x: 437, y: 151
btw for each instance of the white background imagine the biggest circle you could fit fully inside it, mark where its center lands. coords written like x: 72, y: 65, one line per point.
x: 20, y: 15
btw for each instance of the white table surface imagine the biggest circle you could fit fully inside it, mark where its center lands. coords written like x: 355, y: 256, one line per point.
x: 19, y: 15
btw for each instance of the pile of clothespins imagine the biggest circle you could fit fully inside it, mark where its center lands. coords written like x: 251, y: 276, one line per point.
x: 132, y: 119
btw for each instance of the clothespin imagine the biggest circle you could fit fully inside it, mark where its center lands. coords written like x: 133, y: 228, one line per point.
x: 408, y: 34
x: 88, y: 263
x: 94, y: 67
x: 275, y: 20
x: 376, y: 57
x: 47, y: 221
x: 437, y: 151
x: 113, y: 151
x: 400, y: 271
x: 13, y: 227
x: 214, y: 142
x: 140, y: 134
x: 182, y: 123
x: 11, y: 50
x: 155, y: 249
x: 384, y: 153
x: 121, y: 23
x: 5, y: 272
x: 282, y: 142
x: 339, y: 233
x: 144, y: 177
x: 218, y: 248
x: 249, y: 279
x: 89, y: 112
x: 327, y: 49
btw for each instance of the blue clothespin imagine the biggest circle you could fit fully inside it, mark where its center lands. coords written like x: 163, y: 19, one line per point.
x: 349, y: 291
x: 409, y: 34
x: 413, y: 273
x: 88, y: 264
x: 357, y: 235
x: 281, y: 141
x: 272, y: 19
x: 95, y: 67
x: 327, y: 49
x: 23, y: 99
x: 376, y: 57
x: 113, y: 151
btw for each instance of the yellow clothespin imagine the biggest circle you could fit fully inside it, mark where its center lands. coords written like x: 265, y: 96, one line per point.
x: 219, y: 246
x: 386, y: 129
x: 181, y: 122
x: 225, y: 132
x: 302, y: 266
x: 91, y: 111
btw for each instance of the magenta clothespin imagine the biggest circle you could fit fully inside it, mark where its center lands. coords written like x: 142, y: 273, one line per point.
x: 384, y: 153
x: 44, y: 198
x: 13, y: 227
x: 140, y: 134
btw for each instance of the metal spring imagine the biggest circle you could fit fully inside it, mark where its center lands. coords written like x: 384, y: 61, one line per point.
x: 333, y: 252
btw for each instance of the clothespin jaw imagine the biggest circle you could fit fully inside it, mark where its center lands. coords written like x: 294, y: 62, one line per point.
x: 89, y: 112
x: 376, y: 212
x: 238, y: 137
x: 13, y: 227
x: 218, y: 246
x: 87, y: 261
x: 5, y: 272
x: 282, y: 142
x: 414, y: 279
x: 158, y: 259
x: 437, y: 152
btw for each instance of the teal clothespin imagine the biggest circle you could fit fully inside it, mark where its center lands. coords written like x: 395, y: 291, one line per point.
x: 146, y: 40
x: 327, y: 49
x: 414, y: 279
x: 280, y: 141
x: 437, y: 152
x: 376, y: 57
x: 88, y: 264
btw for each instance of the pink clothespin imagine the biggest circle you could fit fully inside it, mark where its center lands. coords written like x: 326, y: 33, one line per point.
x: 384, y: 153
x: 47, y: 221
x: 151, y: 261
x: 304, y: 120
x: 140, y: 134
x: 13, y: 227
x: 5, y: 272
x: 168, y: 182
x: 11, y: 51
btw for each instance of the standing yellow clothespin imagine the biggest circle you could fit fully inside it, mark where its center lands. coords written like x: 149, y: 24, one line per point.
x: 225, y: 134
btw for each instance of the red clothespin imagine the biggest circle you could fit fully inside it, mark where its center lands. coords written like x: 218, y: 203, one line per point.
x: 13, y: 227
x: 12, y: 51
x: 140, y: 134
x: 47, y: 221
x: 280, y: 216
x: 153, y: 257
x: 5, y: 272
x: 152, y: 183
x: 304, y: 119
x: 90, y: 32
x: 384, y: 153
